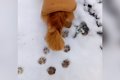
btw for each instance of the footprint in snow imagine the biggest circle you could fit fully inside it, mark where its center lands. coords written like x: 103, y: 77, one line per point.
x: 66, y: 48
x: 20, y: 70
x: 42, y: 60
x: 46, y: 50
x: 82, y: 28
x: 65, y: 63
x: 51, y: 70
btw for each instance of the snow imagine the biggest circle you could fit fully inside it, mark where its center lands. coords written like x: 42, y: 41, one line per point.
x: 85, y: 55
x: 8, y: 42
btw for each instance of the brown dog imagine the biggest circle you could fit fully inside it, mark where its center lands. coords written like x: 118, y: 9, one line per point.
x: 56, y: 21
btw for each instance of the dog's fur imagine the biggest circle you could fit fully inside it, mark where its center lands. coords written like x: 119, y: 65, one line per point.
x: 56, y: 21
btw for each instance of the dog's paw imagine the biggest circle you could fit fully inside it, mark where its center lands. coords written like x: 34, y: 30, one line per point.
x: 65, y: 33
x: 55, y: 41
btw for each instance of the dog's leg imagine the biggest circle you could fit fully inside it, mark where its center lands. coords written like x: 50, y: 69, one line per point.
x: 55, y: 24
x: 54, y: 39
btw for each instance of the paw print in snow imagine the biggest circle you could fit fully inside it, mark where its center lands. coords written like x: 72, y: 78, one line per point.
x: 42, y: 60
x: 46, y: 50
x: 51, y: 70
x: 65, y: 63
x: 82, y: 28
x: 67, y: 48
x: 20, y: 70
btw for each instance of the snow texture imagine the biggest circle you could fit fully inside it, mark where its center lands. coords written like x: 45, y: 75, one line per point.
x: 82, y: 57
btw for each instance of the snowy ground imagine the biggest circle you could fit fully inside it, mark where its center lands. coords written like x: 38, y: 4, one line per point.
x: 84, y: 58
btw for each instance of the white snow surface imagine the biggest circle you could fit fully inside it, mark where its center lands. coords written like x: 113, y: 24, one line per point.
x: 85, y: 55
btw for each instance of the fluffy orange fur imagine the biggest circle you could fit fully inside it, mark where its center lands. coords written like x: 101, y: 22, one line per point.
x: 56, y: 21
